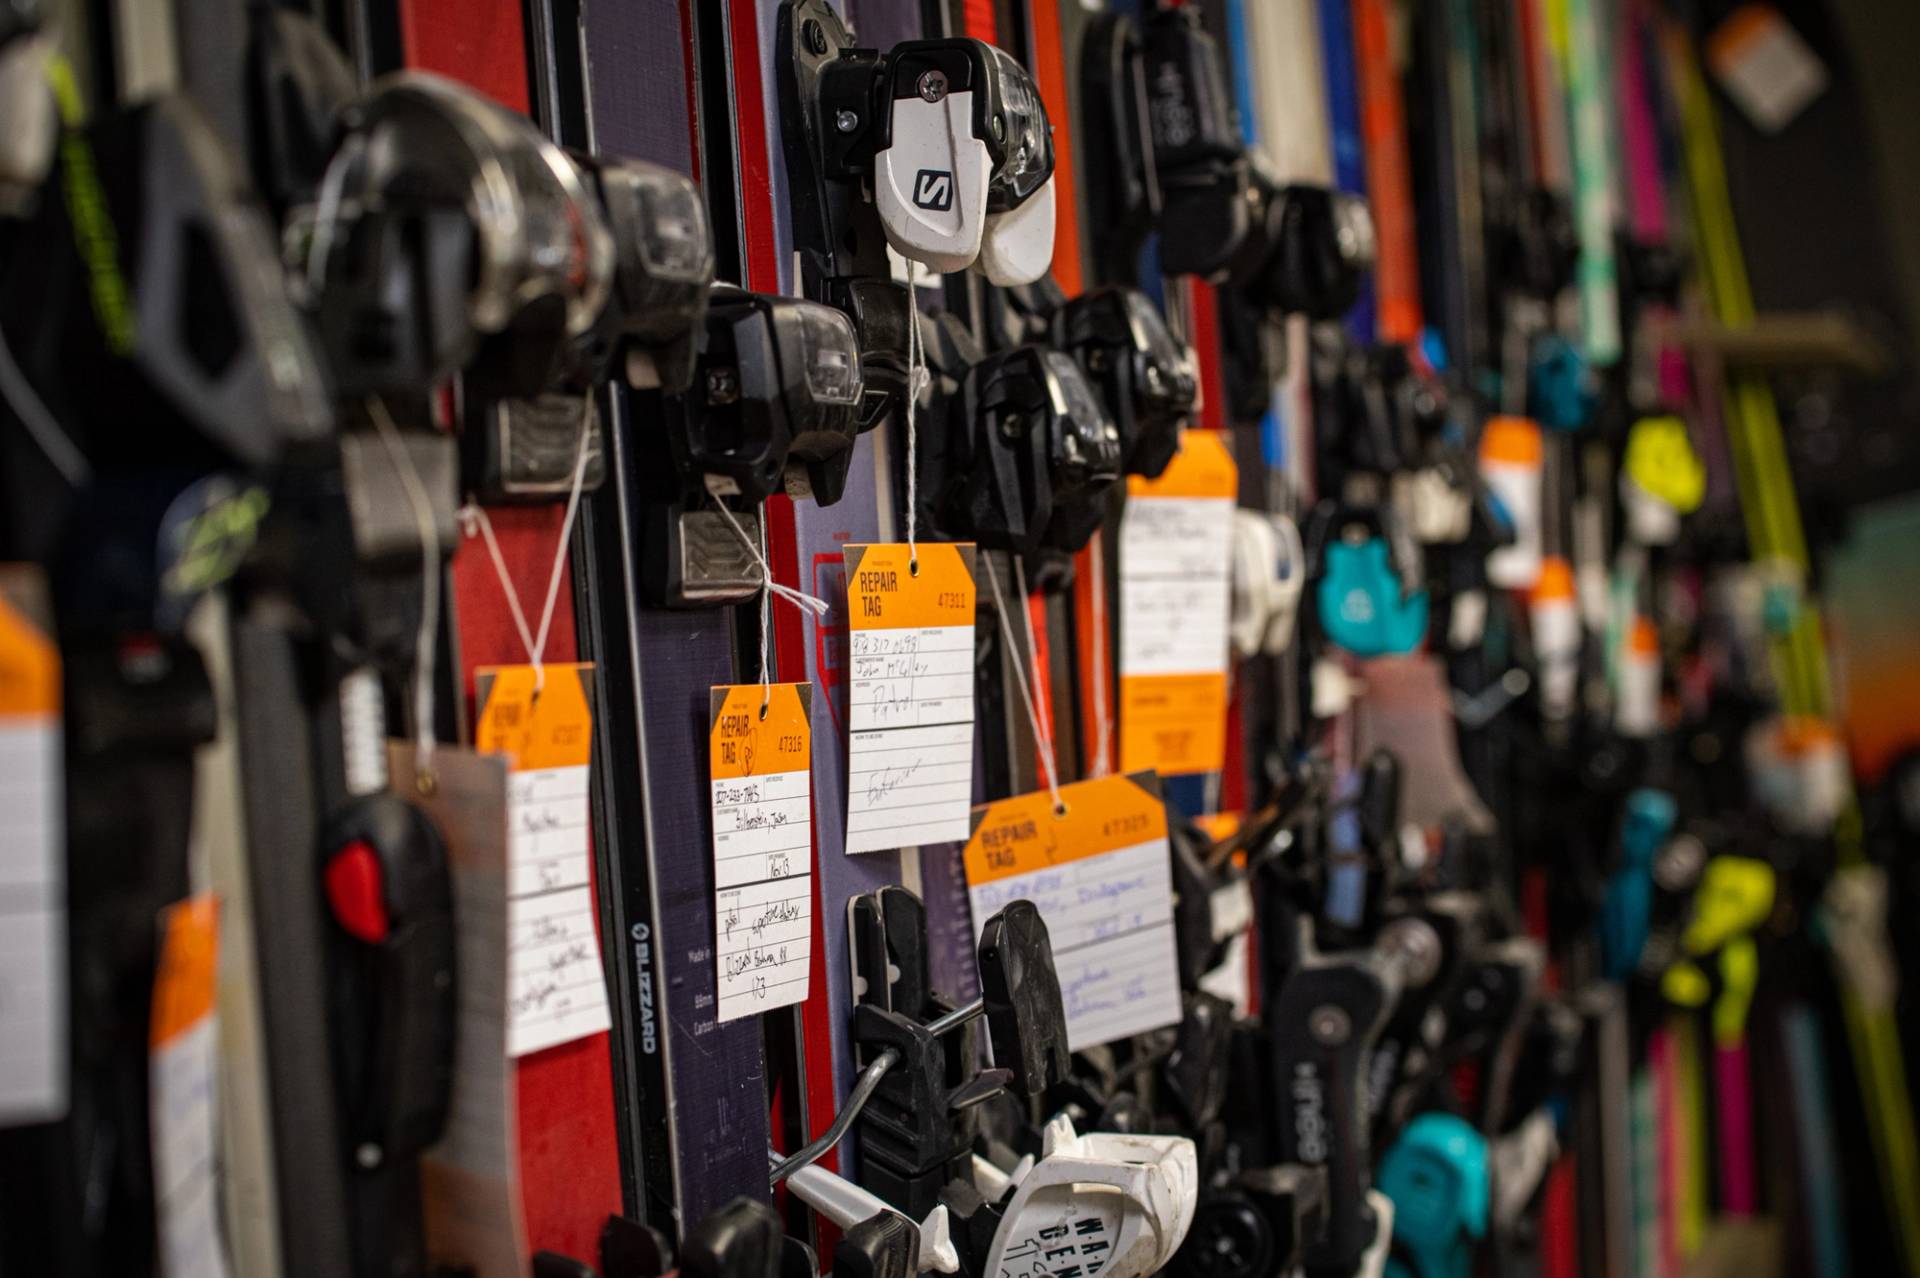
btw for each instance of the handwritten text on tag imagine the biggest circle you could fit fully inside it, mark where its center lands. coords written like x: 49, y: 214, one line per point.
x: 1100, y: 875
x: 762, y: 845
x: 557, y: 989
x: 910, y: 749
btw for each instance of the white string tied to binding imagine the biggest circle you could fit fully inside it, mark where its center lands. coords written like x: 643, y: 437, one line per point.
x: 1042, y: 734
x: 917, y: 379
x: 1102, y: 713
x: 42, y: 425
x: 768, y: 588
x: 427, y: 637
x: 473, y: 519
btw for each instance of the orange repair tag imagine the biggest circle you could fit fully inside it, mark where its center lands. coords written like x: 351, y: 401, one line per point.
x: 910, y: 694
x: 1098, y: 868
x: 760, y: 750
x: 542, y: 722
x: 1175, y: 594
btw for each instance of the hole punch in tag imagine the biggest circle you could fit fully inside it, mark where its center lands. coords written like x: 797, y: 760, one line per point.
x: 1101, y: 877
x: 542, y: 722
x: 760, y: 751
x: 909, y: 694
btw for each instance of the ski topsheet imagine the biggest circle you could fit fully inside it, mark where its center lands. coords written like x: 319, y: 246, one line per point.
x: 692, y: 1090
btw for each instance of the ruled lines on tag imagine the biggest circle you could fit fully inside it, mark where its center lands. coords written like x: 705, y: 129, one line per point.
x: 1175, y: 598
x: 910, y: 695
x: 1101, y: 876
x: 761, y: 755
x: 542, y: 721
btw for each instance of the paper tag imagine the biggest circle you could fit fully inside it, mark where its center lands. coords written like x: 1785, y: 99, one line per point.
x: 910, y: 696
x: 1176, y: 543
x: 1765, y: 67
x: 33, y: 915
x: 1101, y: 877
x: 182, y: 1058
x: 557, y: 986
x: 762, y: 845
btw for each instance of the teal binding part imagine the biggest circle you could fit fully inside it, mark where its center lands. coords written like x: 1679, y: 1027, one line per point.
x: 1649, y: 819
x: 1561, y: 390
x: 1436, y: 1175
x: 1362, y: 607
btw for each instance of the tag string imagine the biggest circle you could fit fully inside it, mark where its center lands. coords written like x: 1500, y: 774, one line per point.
x: 473, y: 518
x: 1045, y: 718
x: 66, y: 455
x: 425, y: 643
x: 768, y: 588
x: 1042, y: 737
x: 916, y: 378
x: 1102, y: 714
x: 1174, y: 303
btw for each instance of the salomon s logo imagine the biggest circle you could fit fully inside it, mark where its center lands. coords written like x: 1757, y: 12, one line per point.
x: 933, y: 189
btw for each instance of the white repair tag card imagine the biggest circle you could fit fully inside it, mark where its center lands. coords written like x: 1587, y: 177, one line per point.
x: 1101, y: 875
x: 33, y: 893
x: 542, y: 722
x: 1765, y: 66
x: 909, y: 695
x: 183, y: 1090
x: 1176, y: 588
x: 760, y: 750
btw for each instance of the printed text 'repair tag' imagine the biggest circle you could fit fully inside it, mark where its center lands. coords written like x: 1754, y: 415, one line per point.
x: 910, y: 694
